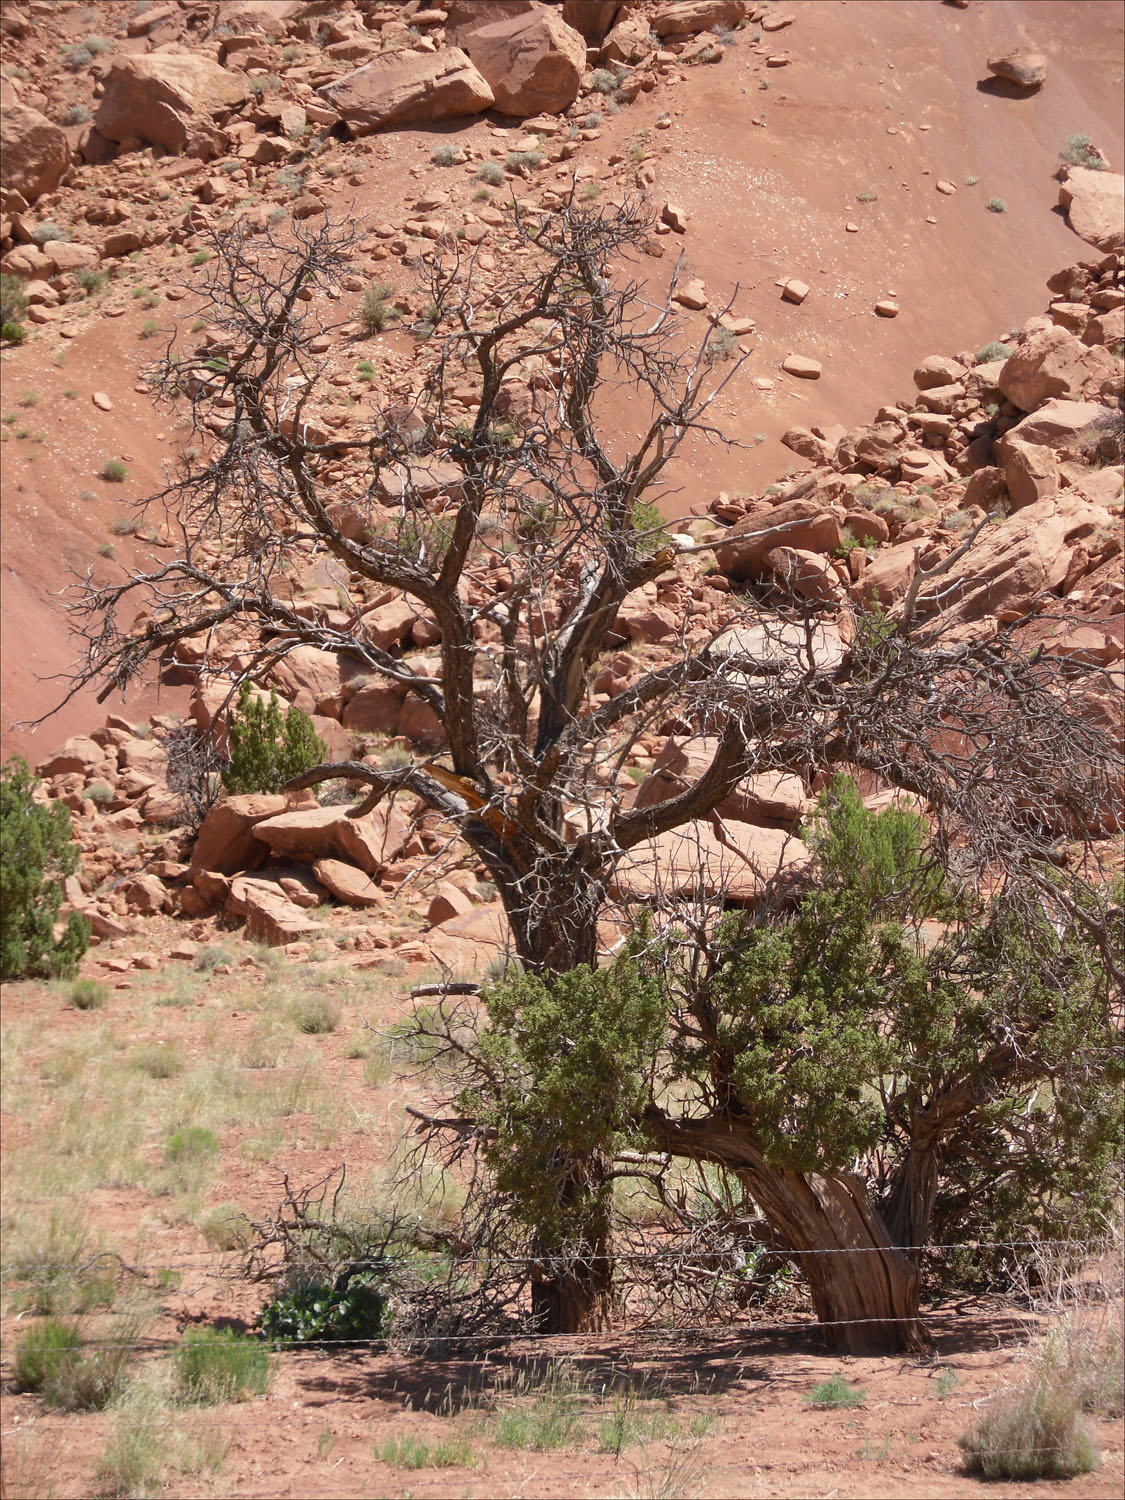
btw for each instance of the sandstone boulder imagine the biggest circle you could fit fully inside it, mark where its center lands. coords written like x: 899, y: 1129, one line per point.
x: 308, y: 670
x: 777, y: 643
x: 938, y: 369
x: 166, y: 99
x: 226, y: 843
x: 404, y: 88
x: 592, y: 18
x: 732, y: 861
x: 532, y: 62
x: 448, y: 902
x: 806, y: 574
x: 1020, y: 65
x: 1050, y: 363
x: 628, y: 42
x: 34, y: 153
x: 794, y: 523
x: 769, y: 799
x: 77, y: 754
x: 348, y: 884
x: 887, y: 575
x: 1011, y: 565
x: 271, y: 917
x: 313, y: 833
x: 1058, y: 424
x: 1095, y: 207
x: 688, y: 16
x: 1030, y: 470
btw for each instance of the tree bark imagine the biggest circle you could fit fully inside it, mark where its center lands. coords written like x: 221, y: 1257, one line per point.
x: 865, y: 1292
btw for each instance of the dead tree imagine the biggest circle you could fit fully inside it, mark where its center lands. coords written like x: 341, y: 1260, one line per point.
x: 547, y: 498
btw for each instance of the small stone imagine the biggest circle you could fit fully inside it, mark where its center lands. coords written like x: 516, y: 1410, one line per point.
x: 944, y: 186
x: 930, y: 219
x: 763, y: 383
x: 794, y: 291
x: 801, y: 366
x: 102, y: 401
x: 675, y: 218
x: 778, y: 60
x: 886, y: 309
x: 775, y: 23
x: 693, y: 295
x: 852, y: 228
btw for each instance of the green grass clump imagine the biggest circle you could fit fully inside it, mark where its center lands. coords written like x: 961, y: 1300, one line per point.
x: 192, y: 1143
x: 517, y: 159
x: 158, y: 1061
x: 88, y: 994
x: 987, y: 353
x: 377, y: 313
x: 214, y: 1365
x: 413, y: 1453
x: 1079, y: 152
x: 113, y: 471
x: 1036, y: 1434
x: 834, y: 1394
x: 52, y: 1362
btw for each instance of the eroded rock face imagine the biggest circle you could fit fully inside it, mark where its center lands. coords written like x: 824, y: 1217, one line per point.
x: 166, y: 99
x: 532, y: 62
x: 34, y: 153
x: 688, y: 16
x: 1095, y: 207
x: 226, y: 840
x: 314, y: 833
x: 1050, y: 363
x: 794, y: 523
x: 407, y: 87
x: 734, y: 860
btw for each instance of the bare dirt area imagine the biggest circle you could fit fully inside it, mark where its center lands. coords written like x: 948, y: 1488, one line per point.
x: 707, y: 1412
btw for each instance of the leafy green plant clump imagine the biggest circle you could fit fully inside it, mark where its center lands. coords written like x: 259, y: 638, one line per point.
x: 378, y: 313
x: 1081, y: 152
x: 834, y: 1394
x: 266, y: 749
x: 990, y: 352
x: 113, y: 471
x: 316, y: 1312
x: 36, y: 855
x: 52, y: 1361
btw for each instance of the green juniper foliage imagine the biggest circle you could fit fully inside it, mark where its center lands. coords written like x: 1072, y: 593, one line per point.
x: 266, y: 749
x: 36, y: 854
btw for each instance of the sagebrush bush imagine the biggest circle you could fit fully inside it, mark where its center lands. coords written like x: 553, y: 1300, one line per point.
x: 13, y: 299
x: 992, y: 351
x: 36, y: 855
x: 492, y: 173
x: 265, y: 749
x: 377, y: 312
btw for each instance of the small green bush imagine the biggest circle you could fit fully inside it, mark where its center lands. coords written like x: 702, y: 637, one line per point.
x: 377, y: 312
x: 36, y: 855
x: 266, y: 750
x: 446, y: 156
x: 52, y: 1362
x: 13, y: 299
x: 92, y: 282
x: 492, y: 173
x: 413, y: 1453
x: 49, y: 230
x: 517, y: 159
x: 214, y: 1365
x: 226, y: 1228
x: 996, y: 206
x: 834, y: 1394
x: 88, y: 994
x: 602, y: 81
x: 995, y: 350
x: 1079, y: 152
x: 77, y: 114
x: 315, y: 1015
x: 13, y: 333
x: 192, y: 1143
x: 113, y: 471
x: 314, y: 1312
x: 158, y: 1061
x: 1038, y: 1433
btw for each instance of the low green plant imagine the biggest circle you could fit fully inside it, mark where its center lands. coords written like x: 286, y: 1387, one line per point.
x: 413, y: 1453
x: 377, y: 312
x: 12, y: 332
x: 76, y: 114
x: 365, y: 370
x: 210, y: 958
x: 996, y: 206
x: 314, y: 1311
x: 517, y: 159
x: 266, y: 750
x: 835, y: 1394
x: 992, y: 351
x: 51, y: 1361
x: 200, y: 257
x: 49, y: 230
x: 192, y: 1143
x: 36, y: 855
x: 148, y: 328
x: 946, y: 1383
x: 315, y: 1015
x: 1079, y: 151
x: 592, y: 121
x: 214, y: 1365
x: 113, y: 471
x: 13, y: 299
x: 92, y: 282
x: 446, y: 156
x: 1037, y: 1432
x: 868, y: 195
x: 492, y: 173
x: 590, y: 191
x: 226, y: 1228
x: 30, y: 398
x: 88, y: 994
x: 602, y: 81
x: 157, y: 1061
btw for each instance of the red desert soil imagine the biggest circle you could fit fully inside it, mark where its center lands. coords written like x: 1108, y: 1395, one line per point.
x: 878, y: 97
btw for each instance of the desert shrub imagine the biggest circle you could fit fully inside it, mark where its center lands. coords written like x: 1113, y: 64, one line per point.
x: 193, y: 774
x: 113, y: 471
x: 88, y: 994
x: 446, y: 156
x: 226, y: 1228
x: 492, y: 173
x: 377, y: 312
x: 517, y: 159
x: 76, y: 114
x: 49, y: 230
x: 36, y: 855
x: 996, y: 206
x: 315, y: 1015
x: 314, y: 1311
x: 265, y: 749
x: 52, y: 1362
x: 214, y: 1365
x: 414, y: 1453
x: 835, y: 1393
x: 602, y: 81
x: 192, y: 1143
x: 77, y: 57
x: 92, y: 282
x: 13, y: 333
x: 1079, y: 152
x: 1038, y: 1432
x: 992, y: 351
x: 210, y: 958
x: 13, y: 299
